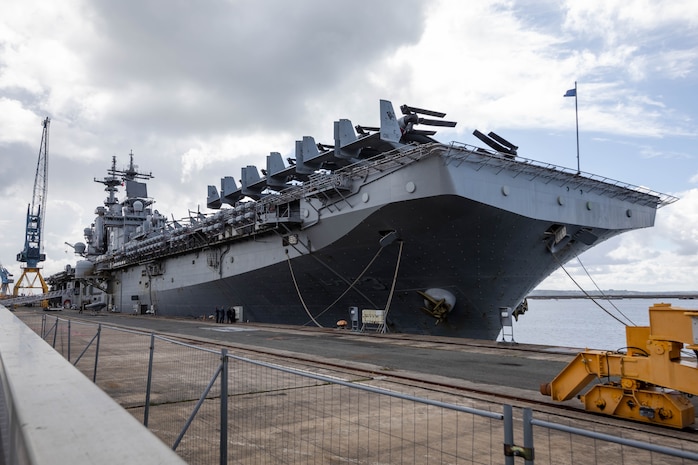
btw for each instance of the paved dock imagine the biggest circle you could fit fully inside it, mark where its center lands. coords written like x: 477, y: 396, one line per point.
x: 510, y: 369
x: 510, y: 373
x: 502, y: 367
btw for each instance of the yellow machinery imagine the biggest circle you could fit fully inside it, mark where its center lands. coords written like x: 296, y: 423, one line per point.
x: 650, y: 382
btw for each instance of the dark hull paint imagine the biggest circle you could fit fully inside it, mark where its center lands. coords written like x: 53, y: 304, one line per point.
x: 487, y: 257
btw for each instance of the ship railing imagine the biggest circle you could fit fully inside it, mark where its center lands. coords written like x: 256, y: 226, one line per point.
x: 551, y: 172
x: 389, y: 161
x: 191, y: 237
x: 338, y: 181
x: 332, y: 185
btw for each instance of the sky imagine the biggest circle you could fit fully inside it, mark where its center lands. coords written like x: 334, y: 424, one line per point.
x: 198, y: 89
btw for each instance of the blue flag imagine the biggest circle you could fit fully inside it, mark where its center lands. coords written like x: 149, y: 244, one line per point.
x: 571, y: 93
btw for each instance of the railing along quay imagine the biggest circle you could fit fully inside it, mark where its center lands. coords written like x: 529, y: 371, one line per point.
x: 215, y: 406
x: 51, y: 414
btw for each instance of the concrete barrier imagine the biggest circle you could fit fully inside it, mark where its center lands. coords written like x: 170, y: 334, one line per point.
x: 51, y: 413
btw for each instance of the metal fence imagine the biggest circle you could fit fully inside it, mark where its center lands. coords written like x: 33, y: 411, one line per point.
x: 212, y: 406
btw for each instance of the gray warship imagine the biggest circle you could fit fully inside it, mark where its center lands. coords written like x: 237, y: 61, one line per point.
x: 387, y: 229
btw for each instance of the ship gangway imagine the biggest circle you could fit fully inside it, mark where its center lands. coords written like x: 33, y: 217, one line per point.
x: 28, y: 299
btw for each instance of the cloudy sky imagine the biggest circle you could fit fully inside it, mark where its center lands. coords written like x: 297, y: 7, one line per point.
x: 198, y: 89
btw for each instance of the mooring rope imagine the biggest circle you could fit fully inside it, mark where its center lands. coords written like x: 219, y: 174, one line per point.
x: 295, y: 283
x: 587, y: 294
x: 602, y: 293
x: 392, y: 287
x: 351, y: 286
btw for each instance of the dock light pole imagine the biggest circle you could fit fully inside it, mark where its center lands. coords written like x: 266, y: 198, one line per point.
x: 573, y: 93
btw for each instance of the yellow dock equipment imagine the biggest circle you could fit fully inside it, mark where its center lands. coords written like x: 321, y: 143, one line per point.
x: 649, y: 382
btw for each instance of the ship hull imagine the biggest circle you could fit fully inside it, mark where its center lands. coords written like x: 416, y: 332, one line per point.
x: 387, y: 229
x: 480, y: 232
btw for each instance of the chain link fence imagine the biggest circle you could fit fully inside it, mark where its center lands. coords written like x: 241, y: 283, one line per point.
x: 215, y: 407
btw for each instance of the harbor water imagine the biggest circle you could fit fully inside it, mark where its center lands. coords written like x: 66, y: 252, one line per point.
x: 581, y: 323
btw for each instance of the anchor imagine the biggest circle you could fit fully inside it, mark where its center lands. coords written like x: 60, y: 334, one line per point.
x: 437, y: 303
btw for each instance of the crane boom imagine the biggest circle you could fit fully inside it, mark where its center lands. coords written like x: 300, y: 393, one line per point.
x: 38, y: 206
x: 32, y: 254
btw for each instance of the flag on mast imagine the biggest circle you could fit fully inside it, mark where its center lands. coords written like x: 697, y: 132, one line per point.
x: 573, y: 93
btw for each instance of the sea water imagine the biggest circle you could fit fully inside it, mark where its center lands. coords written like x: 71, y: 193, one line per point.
x: 581, y: 323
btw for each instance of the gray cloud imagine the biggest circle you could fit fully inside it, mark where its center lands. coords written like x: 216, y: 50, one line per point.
x: 189, y: 67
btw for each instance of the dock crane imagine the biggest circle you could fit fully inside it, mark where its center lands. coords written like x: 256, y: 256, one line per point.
x: 649, y: 383
x: 32, y: 254
x: 5, y: 281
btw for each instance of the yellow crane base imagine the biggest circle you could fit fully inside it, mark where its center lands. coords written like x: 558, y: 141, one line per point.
x: 659, y: 407
x: 34, y: 281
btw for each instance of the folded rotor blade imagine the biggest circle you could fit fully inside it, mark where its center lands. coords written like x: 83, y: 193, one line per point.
x: 406, y: 110
x: 437, y: 122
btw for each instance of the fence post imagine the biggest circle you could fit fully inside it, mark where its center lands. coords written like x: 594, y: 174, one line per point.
x: 511, y: 450
x: 45, y: 332
x: 508, y: 435
x: 528, y: 435
x: 99, y: 332
x: 69, y: 340
x: 146, y: 410
x: 224, y: 407
x: 55, y: 333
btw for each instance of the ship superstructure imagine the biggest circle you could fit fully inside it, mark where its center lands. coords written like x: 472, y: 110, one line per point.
x: 412, y: 234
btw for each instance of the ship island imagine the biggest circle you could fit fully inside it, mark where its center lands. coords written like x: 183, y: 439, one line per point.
x: 387, y: 228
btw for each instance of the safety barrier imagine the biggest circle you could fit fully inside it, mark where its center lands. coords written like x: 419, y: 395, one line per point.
x: 212, y: 406
x: 50, y: 413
